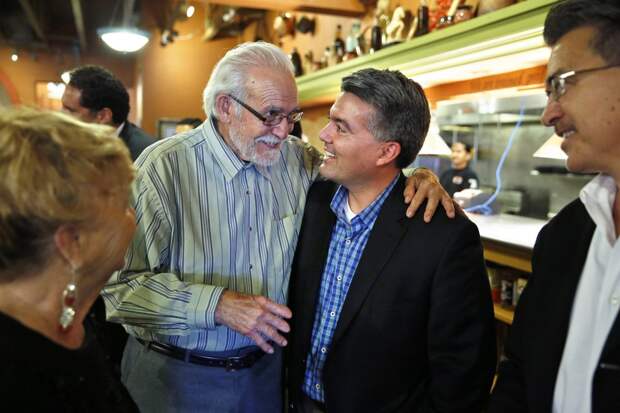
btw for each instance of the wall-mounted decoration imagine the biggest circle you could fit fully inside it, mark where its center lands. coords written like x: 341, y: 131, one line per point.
x: 296, y: 60
x: 487, y: 6
x: 353, y: 46
x: 48, y: 94
x: 306, y: 25
x: 166, y: 127
x: 284, y: 25
x: 224, y: 21
x: 395, y: 29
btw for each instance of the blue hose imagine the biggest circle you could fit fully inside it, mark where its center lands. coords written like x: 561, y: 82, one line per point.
x: 485, y: 208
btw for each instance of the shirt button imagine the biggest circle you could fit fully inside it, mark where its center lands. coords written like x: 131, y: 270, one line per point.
x: 247, y: 192
x: 323, y: 350
x: 317, y: 386
x: 332, y: 314
x: 348, y: 242
x: 250, y: 228
x: 615, y: 300
x: 339, y: 278
x: 251, y: 266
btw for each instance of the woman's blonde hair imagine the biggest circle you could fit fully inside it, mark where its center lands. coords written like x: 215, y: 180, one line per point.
x: 53, y: 169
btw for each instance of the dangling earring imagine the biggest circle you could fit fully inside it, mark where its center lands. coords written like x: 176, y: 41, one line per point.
x: 69, y: 296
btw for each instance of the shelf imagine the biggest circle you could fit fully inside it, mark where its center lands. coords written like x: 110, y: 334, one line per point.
x: 505, y: 40
x: 508, y: 239
x: 503, y: 314
x: 510, y: 256
x: 340, y: 7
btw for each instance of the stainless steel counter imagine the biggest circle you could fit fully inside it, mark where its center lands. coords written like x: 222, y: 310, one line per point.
x: 508, y: 239
x: 508, y: 229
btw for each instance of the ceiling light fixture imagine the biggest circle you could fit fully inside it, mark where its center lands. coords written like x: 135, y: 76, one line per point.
x: 55, y: 90
x: 189, y: 12
x: 551, y: 149
x: 14, y: 56
x: 434, y: 145
x: 66, y: 76
x: 183, y: 10
x: 124, y: 39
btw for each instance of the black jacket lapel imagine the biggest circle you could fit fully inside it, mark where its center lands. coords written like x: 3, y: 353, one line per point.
x: 313, y: 244
x: 384, y: 238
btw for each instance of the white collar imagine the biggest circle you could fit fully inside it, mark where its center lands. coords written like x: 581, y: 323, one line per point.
x: 598, y: 197
x: 119, y: 129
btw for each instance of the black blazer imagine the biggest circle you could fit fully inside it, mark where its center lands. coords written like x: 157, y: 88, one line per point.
x: 135, y: 138
x: 416, y: 332
x: 526, y: 380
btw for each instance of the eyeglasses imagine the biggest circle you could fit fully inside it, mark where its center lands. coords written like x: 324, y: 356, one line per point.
x: 557, y: 83
x: 272, y: 118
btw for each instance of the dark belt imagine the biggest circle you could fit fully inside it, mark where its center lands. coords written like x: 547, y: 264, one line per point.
x: 229, y: 363
x: 311, y: 405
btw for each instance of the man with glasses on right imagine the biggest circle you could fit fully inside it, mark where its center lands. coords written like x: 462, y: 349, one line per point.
x: 563, y: 350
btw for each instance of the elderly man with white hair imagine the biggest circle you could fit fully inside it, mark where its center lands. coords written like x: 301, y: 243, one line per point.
x: 205, y: 284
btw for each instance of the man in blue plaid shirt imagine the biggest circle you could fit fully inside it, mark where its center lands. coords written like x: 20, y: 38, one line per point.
x: 389, y: 314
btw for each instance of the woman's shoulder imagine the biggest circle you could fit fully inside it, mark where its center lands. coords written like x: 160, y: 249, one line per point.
x: 37, y: 373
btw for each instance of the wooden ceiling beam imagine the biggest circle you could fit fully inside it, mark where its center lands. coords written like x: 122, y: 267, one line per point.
x: 78, y: 16
x: 34, y: 22
x: 340, y: 7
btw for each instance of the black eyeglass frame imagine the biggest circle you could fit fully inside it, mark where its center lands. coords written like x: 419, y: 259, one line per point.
x: 557, y: 83
x: 291, y: 118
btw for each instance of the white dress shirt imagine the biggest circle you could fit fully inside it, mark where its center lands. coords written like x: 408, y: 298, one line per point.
x: 596, y: 302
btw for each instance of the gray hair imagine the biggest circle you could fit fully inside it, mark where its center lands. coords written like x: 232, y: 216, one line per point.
x: 401, y: 111
x: 603, y: 15
x: 230, y: 73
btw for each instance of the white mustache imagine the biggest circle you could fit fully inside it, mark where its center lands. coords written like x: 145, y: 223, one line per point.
x: 268, y: 139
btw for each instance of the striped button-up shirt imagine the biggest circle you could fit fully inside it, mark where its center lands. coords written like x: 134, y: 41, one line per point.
x: 345, y: 250
x: 207, y: 221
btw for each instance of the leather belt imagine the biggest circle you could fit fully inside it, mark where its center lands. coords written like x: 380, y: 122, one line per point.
x: 311, y: 405
x: 229, y: 363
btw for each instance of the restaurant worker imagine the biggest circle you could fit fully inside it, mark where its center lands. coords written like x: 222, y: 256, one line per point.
x: 459, y: 176
x: 65, y: 224
x: 563, y: 350
x: 389, y: 314
x: 204, y: 289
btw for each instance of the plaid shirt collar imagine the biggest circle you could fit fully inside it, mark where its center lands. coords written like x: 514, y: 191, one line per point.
x: 368, y: 215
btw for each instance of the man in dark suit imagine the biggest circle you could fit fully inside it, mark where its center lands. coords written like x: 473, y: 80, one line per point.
x: 95, y: 95
x: 389, y: 314
x: 563, y: 350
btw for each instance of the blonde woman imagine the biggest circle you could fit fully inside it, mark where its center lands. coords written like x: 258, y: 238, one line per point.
x: 64, y: 227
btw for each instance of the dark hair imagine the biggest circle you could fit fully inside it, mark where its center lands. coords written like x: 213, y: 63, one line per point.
x: 101, y: 89
x: 603, y: 15
x: 468, y: 147
x: 401, y: 110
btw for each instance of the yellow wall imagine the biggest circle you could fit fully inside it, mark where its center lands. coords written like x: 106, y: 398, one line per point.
x: 47, y: 67
x: 174, y: 76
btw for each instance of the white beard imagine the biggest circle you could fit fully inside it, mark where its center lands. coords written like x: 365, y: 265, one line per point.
x: 247, y: 148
